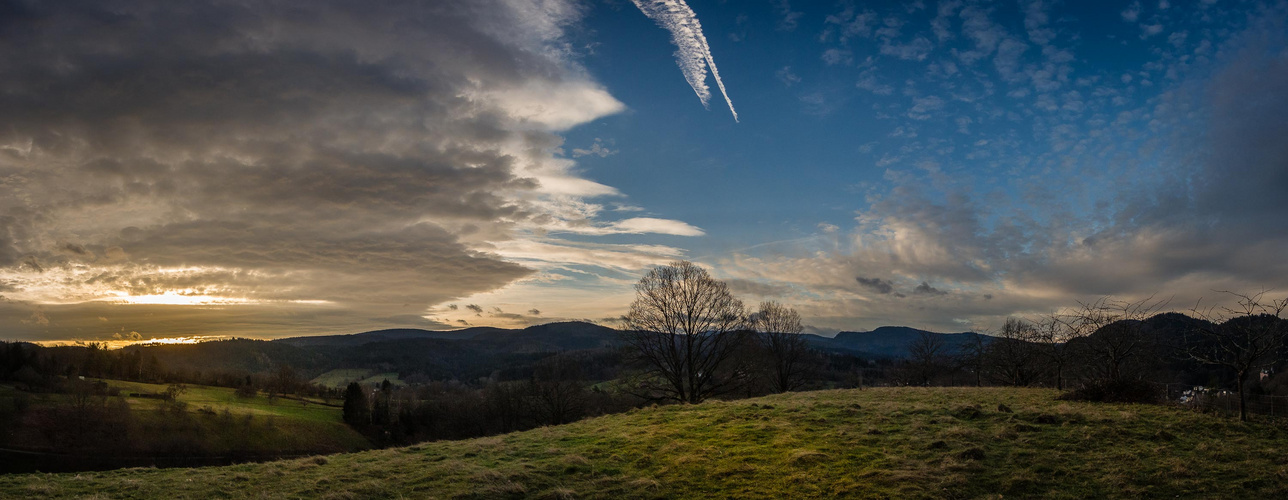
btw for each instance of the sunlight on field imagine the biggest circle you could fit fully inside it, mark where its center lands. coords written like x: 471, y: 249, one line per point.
x: 873, y: 443
x: 219, y: 399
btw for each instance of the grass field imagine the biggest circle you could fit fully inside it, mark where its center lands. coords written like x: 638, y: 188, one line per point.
x: 222, y: 398
x: 338, y: 379
x: 875, y: 443
x: 210, y: 422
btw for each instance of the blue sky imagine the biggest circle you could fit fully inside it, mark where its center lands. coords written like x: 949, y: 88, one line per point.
x: 287, y: 168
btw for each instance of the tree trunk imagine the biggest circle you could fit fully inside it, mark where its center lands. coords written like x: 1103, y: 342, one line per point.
x: 1243, y: 400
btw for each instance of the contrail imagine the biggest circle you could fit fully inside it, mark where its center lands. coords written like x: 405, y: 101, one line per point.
x: 692, y: 54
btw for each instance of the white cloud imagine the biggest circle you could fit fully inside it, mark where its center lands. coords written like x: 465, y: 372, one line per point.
x: 916, y: 50
x: 1132, y: 12
x: 596, y: 149
x: 835, y: 56
x: 642, y: 225
x: 556, y: 106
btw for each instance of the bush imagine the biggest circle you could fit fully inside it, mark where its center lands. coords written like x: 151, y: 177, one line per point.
x: 1116, y: 391
x: 246, y: 391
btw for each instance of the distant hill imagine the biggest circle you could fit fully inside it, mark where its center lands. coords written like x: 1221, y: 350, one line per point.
x: 464, y: 354
x: 891, y: 341
x: 562, y: 336
x: 390, y: 334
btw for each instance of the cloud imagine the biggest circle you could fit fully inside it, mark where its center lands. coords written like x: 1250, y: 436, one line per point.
x: 1036, y: 19
x: 596, y: 149
x: 925, y: 289
x: 878, y: 285
x: 330, y: 160
x: 634, y: 225
x: 693, y: 54
x: 641, y: 225
x: 1132, y: 12
x: 942, y: 22
x: 545, y: 253
x: 835, y: 56
x: 923, y: 107
x: 788, y: 19
x: 851, y: 23
x: 916, y: 50
x: 868, y: 80
x: 786, y: 76
x: 757, y: 288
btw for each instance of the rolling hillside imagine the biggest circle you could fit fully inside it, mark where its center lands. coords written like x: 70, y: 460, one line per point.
x: 875, y: 443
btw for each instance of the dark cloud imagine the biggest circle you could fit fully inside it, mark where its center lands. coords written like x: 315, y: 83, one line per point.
x: 478, y: 310
x: 75, y: 250
x: 878, y: 285
x: 925, y: 289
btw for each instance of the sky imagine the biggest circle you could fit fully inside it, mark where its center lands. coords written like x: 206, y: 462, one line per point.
x: 280, y: 168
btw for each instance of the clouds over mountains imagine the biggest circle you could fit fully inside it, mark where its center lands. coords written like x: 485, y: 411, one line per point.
x: 1023, y: 174
x: 361, y: 158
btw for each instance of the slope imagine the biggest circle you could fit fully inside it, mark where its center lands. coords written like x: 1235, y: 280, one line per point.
x: 875, y: 443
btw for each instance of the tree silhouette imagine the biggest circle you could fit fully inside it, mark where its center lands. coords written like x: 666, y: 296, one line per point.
x: 779, y: 328
x: 685, y: 326
x: 1244, y: 338
x: 357, y: 411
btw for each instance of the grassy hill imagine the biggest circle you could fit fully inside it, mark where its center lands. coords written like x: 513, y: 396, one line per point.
x: 203, y: 425
x: 875, y: 443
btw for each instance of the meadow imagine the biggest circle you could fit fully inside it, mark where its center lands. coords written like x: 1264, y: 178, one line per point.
x: 199, y: 425
x: 872, y: 443
x: 338, y: 379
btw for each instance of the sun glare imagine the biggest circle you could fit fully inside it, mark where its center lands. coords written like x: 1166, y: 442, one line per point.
x: 175, y: 298
x: 119, y: 343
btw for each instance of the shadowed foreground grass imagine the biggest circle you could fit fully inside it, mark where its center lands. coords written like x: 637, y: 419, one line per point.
x: 874, y: 443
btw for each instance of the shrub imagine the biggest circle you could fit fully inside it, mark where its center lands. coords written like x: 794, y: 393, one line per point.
x: 246, y: 391
x: 1116, y: 391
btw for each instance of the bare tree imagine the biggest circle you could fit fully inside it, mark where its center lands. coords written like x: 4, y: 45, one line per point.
x: 780, y: 334
x: 1117, y: 342
x: 558, y: 391
x: 685, y: 325
x: 1059, y: 337
x: 1244, y: 338
x: 971, y: 357
x: 1013, y: 354
x: 927, y: 357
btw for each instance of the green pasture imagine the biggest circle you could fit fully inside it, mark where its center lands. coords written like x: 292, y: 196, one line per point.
x: 874, y: 443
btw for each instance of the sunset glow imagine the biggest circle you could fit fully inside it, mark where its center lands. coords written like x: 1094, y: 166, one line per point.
x: 940, y: 164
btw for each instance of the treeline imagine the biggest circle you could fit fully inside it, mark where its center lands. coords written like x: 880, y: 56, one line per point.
x: 559, y: 389
x: 1120, y: 351
x: 33, y: 368
x: 555, y: 391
